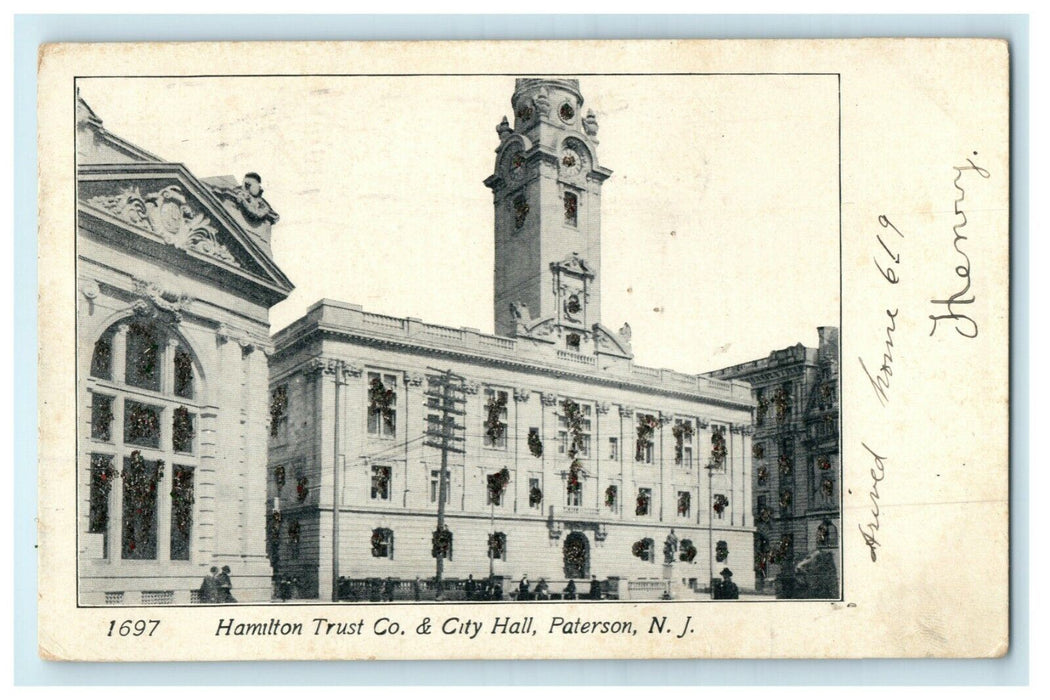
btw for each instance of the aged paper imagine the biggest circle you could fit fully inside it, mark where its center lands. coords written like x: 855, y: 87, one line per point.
x: 625, y: 349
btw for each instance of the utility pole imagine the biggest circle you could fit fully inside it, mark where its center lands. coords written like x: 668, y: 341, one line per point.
x: 442, y: 437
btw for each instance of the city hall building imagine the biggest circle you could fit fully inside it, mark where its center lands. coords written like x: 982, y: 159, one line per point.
x: 635, y: 475
x: 175, y: 280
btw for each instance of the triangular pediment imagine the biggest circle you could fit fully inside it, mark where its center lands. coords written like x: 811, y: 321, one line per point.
x: 574, y: 264
x: 164, y: 203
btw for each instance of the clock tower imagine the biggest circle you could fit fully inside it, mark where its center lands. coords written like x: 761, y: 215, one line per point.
x: 546, y: 190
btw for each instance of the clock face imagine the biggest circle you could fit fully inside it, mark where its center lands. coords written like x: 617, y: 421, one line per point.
x: 571, y: 162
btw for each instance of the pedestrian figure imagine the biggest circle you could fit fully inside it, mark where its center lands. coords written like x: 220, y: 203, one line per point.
x: 726, y: 589
x: 523, y: 588
x: 417, y: 588
x: 570, y: 590
x: 543, y: 591
x: 209, y: 590
x: 595, y: 593
x: 225, y: 586
x: 388, y: 589
x: 497, y: 590
x: 470, y: 588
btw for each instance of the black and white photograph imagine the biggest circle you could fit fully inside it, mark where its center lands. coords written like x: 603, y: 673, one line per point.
x: 519, y: 358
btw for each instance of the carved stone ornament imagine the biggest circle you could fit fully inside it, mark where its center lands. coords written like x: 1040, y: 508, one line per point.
x: 543, y: 103
x: 90, y: 290
x: 471, y: 387
x: 602, y: 407
x: 549, y: 398
x: 625, y: 332
x: 702, y: 423
x: 521, y: 394
x: 575, y: 264
x: 156, y: 302
x: 249, y: 200
x: 340, y: 369
x: 414, y: 378
x: 167, y: 214
x: 626, y: 411
x: 504, y: 130
x: 665, y: 418
x: 590, y: 125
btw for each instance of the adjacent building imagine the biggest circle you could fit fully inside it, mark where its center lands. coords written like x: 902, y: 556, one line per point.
x: 175, y: 281
x: 797, y: 475
x: 601, y: 467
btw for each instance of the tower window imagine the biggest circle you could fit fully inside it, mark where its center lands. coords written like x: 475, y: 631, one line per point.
x: 521, y: 210
x: 566, y: 112
x: 571, y: 207
x: 572, y: 342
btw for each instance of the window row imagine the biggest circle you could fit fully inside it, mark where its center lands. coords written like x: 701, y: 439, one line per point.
x: 382, y: 544
x: 142, y: 423
x: 138, y: 526
x: 574, y: 428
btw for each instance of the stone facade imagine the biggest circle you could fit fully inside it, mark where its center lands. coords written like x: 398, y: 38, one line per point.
x: 175, y: 283
x: 646, y: 436
x: 797, y: 474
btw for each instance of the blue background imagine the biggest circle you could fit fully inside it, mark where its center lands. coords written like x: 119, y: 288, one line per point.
x: 33, y: 30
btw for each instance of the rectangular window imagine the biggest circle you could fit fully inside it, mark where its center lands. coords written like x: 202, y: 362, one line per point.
x: 142, y: 360
x: 644, y: 504
x: 645, y: 437
x: 380, y: 483
x: 535, y: 494
x: 382, y: 405
x: 574, y: 495
x: 102, y: 417
x: 435, y: 486
x: 683, y: 445
x: 571, y: 208
x: 495, y: 426
x: 685, y: 504
x: 102, y: 475
x: 585, y: 431
x: 140, y: 477
x: 141, y: 424
x: 182, y: 430
x: 181, y: 512
x: 383, y: 543
x: 614, y: 448
x: 279, y: 412
x: 183, y: 377
x: 498, y: 546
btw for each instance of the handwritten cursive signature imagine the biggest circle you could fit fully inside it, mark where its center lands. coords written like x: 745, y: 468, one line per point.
x: 878, y: 473
x: 964, y: 324
x: 880, y: 382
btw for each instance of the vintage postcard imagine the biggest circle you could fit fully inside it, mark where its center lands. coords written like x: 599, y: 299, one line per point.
x: 625, y: 349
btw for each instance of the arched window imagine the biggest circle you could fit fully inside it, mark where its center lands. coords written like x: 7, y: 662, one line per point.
x: 827, y: 535
x: 144, y: 425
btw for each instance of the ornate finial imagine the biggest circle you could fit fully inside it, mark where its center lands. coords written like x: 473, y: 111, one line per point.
x: 590, y: 125
x: 625, y: 332
x: 504, y: 130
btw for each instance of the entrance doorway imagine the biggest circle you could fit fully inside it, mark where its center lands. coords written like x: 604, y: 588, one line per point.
x: 577, y: 555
